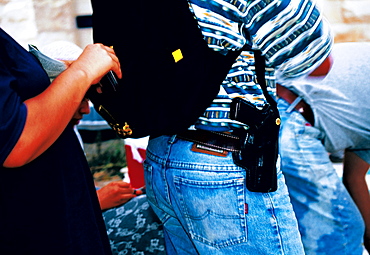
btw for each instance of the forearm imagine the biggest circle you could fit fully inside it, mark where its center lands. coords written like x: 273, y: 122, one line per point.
x: 359, y: 191
x: 48, y: 114
x: 354, y: 173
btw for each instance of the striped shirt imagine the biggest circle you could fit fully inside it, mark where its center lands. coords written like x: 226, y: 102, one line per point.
x: 292, y: 35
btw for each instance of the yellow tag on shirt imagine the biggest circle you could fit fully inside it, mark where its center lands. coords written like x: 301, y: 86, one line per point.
x: 177, y: 55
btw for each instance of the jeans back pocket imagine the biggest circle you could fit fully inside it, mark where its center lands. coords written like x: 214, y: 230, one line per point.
x: 213, y: 210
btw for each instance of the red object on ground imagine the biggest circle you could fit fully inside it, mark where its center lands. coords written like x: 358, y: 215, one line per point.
x: 135, y: 156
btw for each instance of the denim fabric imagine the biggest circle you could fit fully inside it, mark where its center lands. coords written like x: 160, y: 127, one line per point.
x: 329, y: 220
x: 206, y: 209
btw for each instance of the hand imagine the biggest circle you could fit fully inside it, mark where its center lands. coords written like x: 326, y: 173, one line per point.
x: 96, y: 60
x: 115, y: 194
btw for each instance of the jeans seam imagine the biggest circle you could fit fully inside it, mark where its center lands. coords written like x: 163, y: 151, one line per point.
x: 275, y: 226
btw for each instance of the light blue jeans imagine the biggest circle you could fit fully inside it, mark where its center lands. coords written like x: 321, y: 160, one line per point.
x: 206, y: 209
x: 328, y: 219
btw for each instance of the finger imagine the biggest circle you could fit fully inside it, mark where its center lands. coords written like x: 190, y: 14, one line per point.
x: 138, y: 192
x: 117, y: 70
x: 107, y: 48
x: 117, y: 66
x: 125, y: 189
x: 123, y: 184
x: 127, y: 197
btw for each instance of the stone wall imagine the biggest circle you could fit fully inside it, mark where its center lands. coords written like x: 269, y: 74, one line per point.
x: 44, y: 21
x: 40, y: 22
x: 350, y: 19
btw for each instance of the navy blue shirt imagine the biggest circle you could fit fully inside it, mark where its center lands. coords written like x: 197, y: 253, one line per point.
x: 48, y: 206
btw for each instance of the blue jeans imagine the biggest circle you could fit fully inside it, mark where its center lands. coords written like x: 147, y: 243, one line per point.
x: 206, y: 209
x: 328, y: 219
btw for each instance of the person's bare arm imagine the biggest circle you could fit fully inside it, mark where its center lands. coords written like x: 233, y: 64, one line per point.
x: 50, y: 112
x: 354, y: 171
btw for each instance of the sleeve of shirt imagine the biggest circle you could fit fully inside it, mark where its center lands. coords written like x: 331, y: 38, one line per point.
x: 293, y: 35
x: 12, y: 113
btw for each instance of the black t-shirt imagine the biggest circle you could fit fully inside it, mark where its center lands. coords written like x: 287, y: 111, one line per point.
x: 48, y: 206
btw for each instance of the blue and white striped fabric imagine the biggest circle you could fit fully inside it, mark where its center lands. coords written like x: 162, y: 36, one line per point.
x: 292, y: 35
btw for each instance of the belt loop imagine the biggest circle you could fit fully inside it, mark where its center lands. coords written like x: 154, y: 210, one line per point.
x: 294, y: 104
x: 172, y: 139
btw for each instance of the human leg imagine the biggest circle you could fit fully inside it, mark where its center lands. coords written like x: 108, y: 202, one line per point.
x: 328, y: 219
x: 206, y: 209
